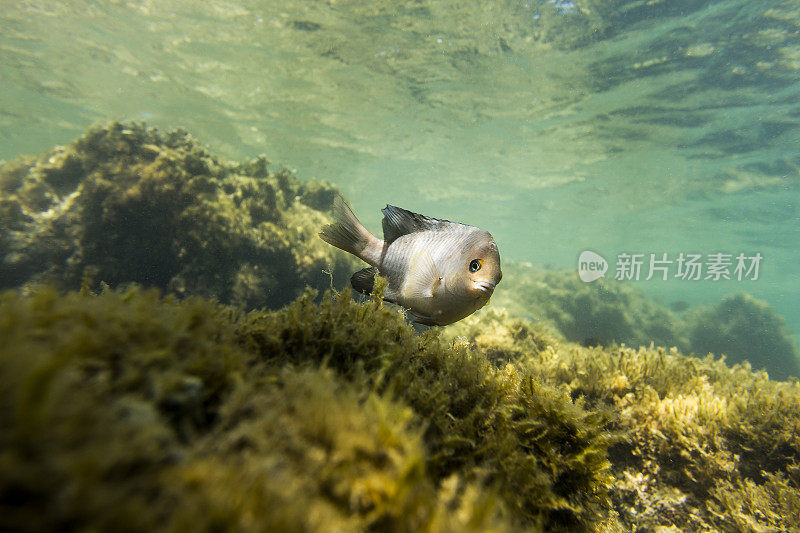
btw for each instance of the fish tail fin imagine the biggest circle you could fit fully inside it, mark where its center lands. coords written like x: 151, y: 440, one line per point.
x: 346, y: 232
x: 363, y: 281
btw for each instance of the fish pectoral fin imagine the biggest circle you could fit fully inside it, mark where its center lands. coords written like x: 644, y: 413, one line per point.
x: 423, y: 278
x: 363, y: 281
x: 425, y: 320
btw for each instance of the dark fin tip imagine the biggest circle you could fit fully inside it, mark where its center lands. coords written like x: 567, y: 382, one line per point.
x: 363, y: 281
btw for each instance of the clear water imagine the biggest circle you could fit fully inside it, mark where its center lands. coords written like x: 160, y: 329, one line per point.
x: 618, y: 126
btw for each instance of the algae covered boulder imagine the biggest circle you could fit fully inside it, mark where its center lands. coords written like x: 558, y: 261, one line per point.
x: 125, y: 203
x: 745, y: 329
x: 599, y: 313
x: 129, y: 410
x: 702, y: 446
x: 606, y: 312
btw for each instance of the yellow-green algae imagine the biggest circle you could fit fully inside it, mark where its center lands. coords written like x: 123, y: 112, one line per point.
x: 125, y: 411
x: 126, y: 203
x: 705, y: 446
x: 130, y: 411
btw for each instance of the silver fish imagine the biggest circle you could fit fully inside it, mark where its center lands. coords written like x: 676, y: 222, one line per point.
x: 440, y: 271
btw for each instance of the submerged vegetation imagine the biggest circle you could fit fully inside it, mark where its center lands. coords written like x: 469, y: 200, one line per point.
x: 702, y: 441
x: 125, y: 409
x: 126, y: 204
x: 744, y: 329
x: 139, y: 390
x: 604, y: 312
x: 149, y: 412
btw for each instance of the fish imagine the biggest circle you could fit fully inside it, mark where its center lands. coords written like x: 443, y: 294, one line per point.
x: 437, y: 270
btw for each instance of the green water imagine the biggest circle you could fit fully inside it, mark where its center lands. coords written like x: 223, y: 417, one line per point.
x: 616, y: 126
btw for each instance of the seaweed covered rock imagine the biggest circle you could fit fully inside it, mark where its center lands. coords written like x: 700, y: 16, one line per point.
x: 537, y: 448
x: 745, y: 329
x: 607, y: 312
x: 155, y: 413
x: 125, y: 203
x: 599, y: 313
x: 135, y: 411
x: 703, y: 446
x: 125, y: 411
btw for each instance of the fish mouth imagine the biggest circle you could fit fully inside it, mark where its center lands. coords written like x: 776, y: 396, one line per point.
x: 485, y: 286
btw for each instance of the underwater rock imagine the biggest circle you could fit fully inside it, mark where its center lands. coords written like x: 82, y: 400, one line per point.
x: 592, y: 314
x: 125, y: 203
x: 184, y: 413
x: 745, y: 329
x: 128, y: 410
x: 606, y: 312
x: 702, y: 445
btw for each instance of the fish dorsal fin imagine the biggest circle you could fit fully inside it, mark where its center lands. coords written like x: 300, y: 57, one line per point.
x: 423, y: 277
x: 398, y: 221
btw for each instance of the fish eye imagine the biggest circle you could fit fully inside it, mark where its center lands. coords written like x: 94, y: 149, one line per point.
x: 475, y: 265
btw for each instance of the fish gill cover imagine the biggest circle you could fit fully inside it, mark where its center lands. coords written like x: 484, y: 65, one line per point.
x: 124, y: 409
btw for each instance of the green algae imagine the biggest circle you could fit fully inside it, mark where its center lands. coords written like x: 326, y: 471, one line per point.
x: 131, y: 205
x: 704, y: 445
x: 480, y: 421
x: 128, y: 410
x: 321, y: 400
x: 131, y: 412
